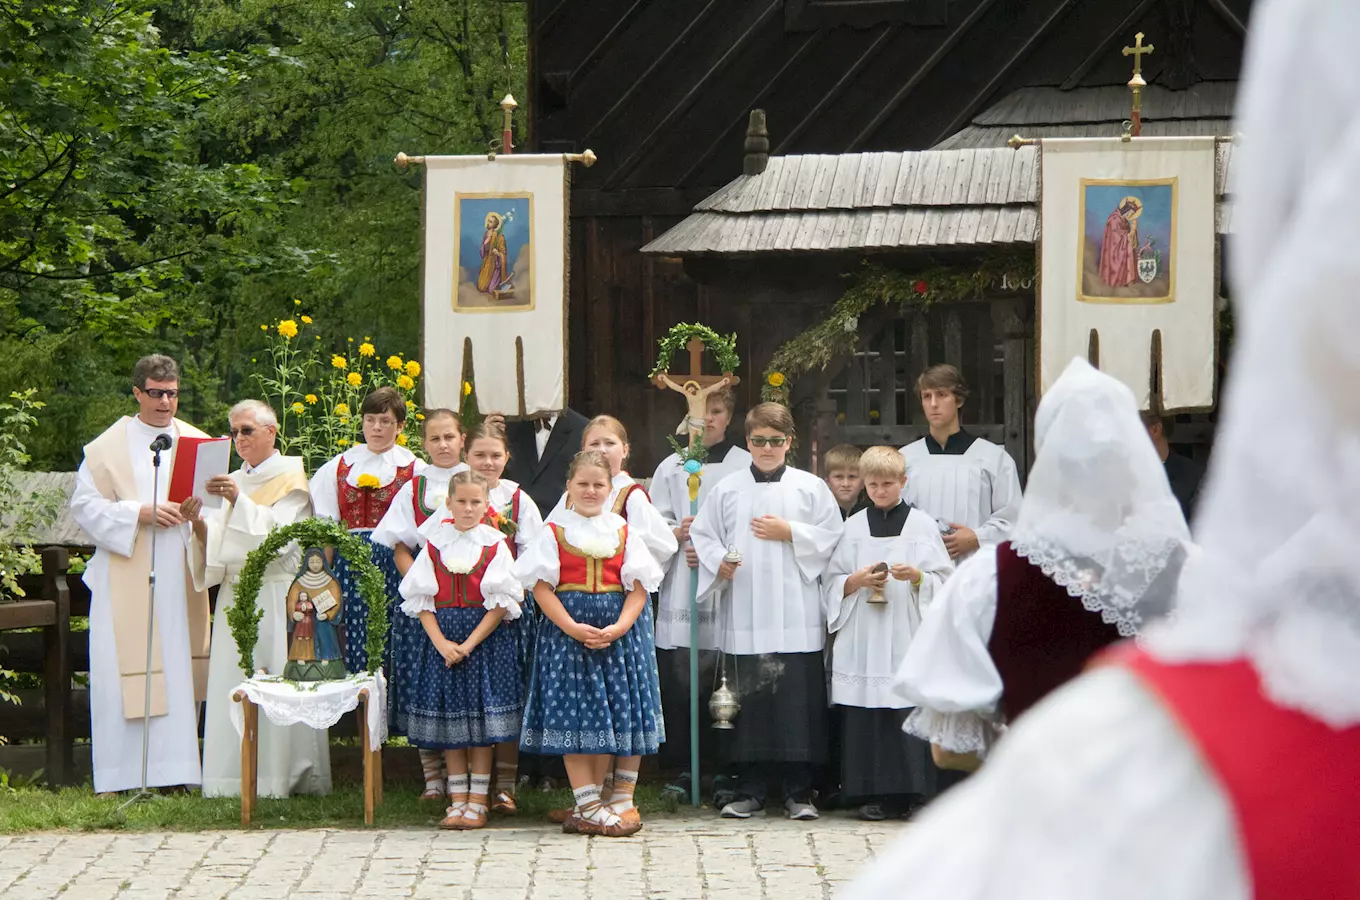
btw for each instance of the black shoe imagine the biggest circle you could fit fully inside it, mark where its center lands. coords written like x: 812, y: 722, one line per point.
x: 873, y: 812
x: 680, y: 787
x: 724, y: 790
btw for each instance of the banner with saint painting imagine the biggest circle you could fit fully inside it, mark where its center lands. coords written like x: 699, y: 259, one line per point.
x: 1128, y: 251
x: 495, y: 281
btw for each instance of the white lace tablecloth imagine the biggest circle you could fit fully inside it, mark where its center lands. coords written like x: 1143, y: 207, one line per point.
x: 317, y: 704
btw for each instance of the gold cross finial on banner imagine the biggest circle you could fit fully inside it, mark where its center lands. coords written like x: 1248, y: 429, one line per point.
x: 1136, y: 83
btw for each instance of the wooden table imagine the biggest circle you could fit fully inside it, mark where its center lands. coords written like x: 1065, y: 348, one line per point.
x: 250, y: 753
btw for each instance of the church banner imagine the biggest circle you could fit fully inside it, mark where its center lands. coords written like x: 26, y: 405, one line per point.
x: 495, y: 281
x: 1128, y: 250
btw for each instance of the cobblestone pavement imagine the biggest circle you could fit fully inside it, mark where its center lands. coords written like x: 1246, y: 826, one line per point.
x: 673, y: 857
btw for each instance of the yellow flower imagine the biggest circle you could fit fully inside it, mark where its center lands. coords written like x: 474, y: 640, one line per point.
x: 311, y: 399
x: 339, y: 362
x: 344, y: 420
x: 776, y: 379
x: 367, y: 349
x: 298, y: 407
x: 264, y: 327
x: 394, y: 363
x: 369, y: 481
x: 401, y: 440
x: 288, y: 328
x: 467, y: 388
x: 410, y: 404
x: 342, y: 409
x: 317, y: 336
x: 351, y: 340
x: 297, y: 302
x: 405, y: 383
x: 354, y: 379
x: 341, y: 442
x: 306, y: 320
x: 413, y: 368
x: 420, y: 417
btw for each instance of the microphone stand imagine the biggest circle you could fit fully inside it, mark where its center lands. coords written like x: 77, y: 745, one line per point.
x: 143, y: 794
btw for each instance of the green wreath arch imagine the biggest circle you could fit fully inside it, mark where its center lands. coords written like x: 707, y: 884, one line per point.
x: 723, y: 347
x: 245, y: 613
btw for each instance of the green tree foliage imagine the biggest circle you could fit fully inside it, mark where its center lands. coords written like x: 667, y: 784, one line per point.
x: 172, y: 174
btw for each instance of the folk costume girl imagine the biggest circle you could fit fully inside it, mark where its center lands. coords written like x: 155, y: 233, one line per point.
x: 511, y: 510
x: 356, y: 488
x: 466, y: 677
x: 593, y: 694
x: 419, y: 502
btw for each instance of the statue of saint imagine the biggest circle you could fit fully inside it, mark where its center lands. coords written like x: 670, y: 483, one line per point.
x: 316, y: 600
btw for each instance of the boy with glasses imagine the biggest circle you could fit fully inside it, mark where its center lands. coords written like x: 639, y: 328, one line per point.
x: 763, y: 539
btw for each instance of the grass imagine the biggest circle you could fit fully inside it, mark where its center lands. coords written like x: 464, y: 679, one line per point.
x: 28, y: 809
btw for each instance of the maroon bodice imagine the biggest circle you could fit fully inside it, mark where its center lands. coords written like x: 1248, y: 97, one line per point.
x: 418, y: 508
x: 460, y: 591
x: 365, y: 507
x: 1042, y: 636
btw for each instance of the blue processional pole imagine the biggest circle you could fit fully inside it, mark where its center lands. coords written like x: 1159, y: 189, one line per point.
x: 693, y: 484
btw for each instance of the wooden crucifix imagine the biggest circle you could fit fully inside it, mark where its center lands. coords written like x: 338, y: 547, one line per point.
x: 696, y: 387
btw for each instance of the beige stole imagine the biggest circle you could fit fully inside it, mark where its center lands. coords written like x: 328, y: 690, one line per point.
x: 110, y: 467
x: 278, y: 487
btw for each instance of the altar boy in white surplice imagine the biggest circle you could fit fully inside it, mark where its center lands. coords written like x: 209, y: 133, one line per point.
x: 784, y: 523
x: 882, y: 578
x: 267, y: 492
x: 113, y: 502
x: 966, y: 483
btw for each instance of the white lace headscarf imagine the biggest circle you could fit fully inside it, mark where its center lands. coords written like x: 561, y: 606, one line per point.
x: 1098, y: 516
x: 1278, y: 580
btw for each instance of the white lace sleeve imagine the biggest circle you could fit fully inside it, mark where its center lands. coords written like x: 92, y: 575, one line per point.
x: 963, y: 732
x: 639, y: 564
x: 500, y: 588
x: 948, y: 666
x: 419, y: 586
x: 539, y: 561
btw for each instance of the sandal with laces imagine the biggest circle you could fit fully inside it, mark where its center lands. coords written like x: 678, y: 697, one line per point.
x: 474, y: 817
x: 433, y: 795
x: 503, y: 802
x: 453, y: 818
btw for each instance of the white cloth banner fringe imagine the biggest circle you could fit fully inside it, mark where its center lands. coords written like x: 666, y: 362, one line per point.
x: 1086, y: 182
x: 316, y: 704
x: 529, y: 191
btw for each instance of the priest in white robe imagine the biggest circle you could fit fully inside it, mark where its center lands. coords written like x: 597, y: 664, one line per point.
x: 1221, y: 761
x: 784, y: 524
x: 267, y: 492
x: 114, y: 503
x: 966, y: 483
x: 670, y: 496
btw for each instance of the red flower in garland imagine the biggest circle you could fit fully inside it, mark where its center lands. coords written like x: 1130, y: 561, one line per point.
x: 920, y: 287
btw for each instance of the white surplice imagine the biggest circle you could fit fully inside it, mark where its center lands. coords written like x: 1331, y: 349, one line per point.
x: 670, y: 496
x: 459, y: 552
x: 363, y: 461
x: 872, y: 638
x: 978, y: 488
x: 398, y: 525
x: 1097, y: 793
x: 774, y: 602
x: 642, y: 518
x: 295, y: 759
x: 116, y: 742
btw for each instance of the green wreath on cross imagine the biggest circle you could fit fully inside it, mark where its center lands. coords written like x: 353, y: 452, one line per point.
x: 245, y: 614
x: 724, y: 350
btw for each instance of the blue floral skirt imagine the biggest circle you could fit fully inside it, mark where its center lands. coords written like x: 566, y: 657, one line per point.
x: 474, y: 703
x: 524, y: 631
x: 402, y: 631
x: 593, y: 701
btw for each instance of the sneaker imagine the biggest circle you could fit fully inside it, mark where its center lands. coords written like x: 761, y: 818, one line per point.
x: 873, y: 812
x: 680, y: 787
x: 800, y: 812
x: 742, y: 809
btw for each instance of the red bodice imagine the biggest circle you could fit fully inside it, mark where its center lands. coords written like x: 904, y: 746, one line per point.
x: 621, y: 501
x: 1293, y: 781
x: 418, y: 508
x: 1042, y: 636
x: 460, y: 591
x: 579, y: 572
x: 365, y: 507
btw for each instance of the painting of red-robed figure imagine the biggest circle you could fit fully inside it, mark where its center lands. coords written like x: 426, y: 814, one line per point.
x: 494, y: 252
x: 1128, y: 241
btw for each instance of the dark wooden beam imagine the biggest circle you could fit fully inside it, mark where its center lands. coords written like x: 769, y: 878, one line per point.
x: 794, y: 58
x: 835, y: 90
x: 587, y: 203
x: 1227, y: 15
x: 1027, y: 48
x: 1121, y: 32
x: 621, y: 24
x: 920, y: 74
x: 647, y: 144
x: 627, y: 94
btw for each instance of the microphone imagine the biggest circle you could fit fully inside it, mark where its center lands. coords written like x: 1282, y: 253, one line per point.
x: 162, y: 442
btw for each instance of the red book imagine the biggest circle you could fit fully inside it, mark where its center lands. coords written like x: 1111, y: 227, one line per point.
x: 197, y: 460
